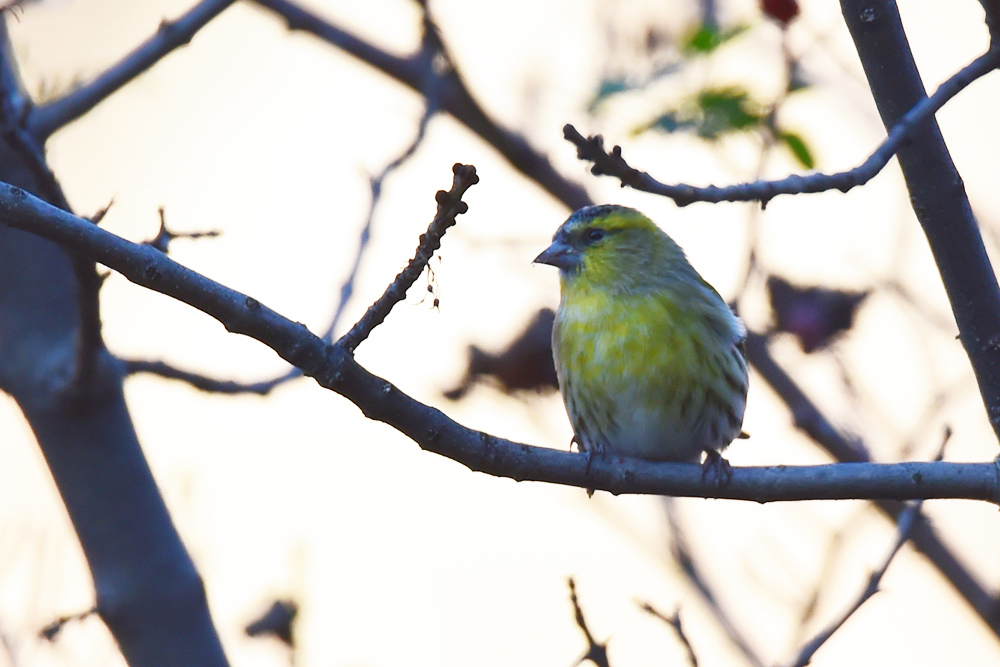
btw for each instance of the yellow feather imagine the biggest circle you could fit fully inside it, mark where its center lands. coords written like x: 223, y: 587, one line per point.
x: 647, y: 353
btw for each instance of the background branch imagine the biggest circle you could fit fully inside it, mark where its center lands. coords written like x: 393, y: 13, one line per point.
x: 45, y: 119
x: 455, y: 99
x: 907, y: 520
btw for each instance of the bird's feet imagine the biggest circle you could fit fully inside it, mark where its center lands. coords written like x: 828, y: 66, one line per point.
x: 589, y: 453
x: 716, y: 470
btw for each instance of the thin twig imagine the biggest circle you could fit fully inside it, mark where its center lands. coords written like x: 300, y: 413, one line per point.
x: 198, y: 381
x: 907, y: 520
x: 450, y: 205
x: 596, y: 652
x: 431, y: 50
x: 688, y: 563
x: 164, y: 236
x: 613, y: 164
x: 52, y: 630
x: 45, y: 119
x: 674, y: 621
x: 89, y: 341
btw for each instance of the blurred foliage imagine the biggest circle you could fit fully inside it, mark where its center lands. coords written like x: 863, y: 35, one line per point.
x: 816, y: 316
x: 706, y: 39
x: 715, y: 111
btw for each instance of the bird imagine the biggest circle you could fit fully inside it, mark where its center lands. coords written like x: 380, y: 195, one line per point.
x: 650, y: 360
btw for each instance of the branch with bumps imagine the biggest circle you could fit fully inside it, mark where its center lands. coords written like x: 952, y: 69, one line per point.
x: 612, y: 163
x: 333, y: 366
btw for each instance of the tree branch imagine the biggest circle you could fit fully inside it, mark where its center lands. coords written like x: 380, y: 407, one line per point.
x: 936, y: 190
x: 613, y: 164
x: 450, y: 205
x: 43, y: 120
x: 674, y: 621
x: 907, y: 520
x: 597, y: 652
x: 454, y: 97
x: 334, y: 367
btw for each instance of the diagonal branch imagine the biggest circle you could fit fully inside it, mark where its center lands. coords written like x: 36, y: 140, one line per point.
x: 45, y: 119
x: 450, y: 204
x: 334, y: 367
x: 453, y: 96
x: 613, y: 164
x: 908, y: 518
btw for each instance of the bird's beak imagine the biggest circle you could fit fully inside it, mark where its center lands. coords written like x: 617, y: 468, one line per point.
x: 560, y: 255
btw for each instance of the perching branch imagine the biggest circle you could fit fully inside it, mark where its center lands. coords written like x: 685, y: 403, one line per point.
x: 45, y: 119
x: 334, y: 367
x: 613, y: 164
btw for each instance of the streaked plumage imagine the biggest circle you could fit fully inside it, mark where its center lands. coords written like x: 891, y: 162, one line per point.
x: 649, y: 357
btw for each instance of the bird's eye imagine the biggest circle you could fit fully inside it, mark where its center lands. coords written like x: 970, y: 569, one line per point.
x: 595, y: 234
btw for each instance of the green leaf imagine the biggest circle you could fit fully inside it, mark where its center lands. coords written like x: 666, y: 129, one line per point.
x: 704, y: 40
x: 707, y: 38
x: 799, y: 149
x: 726, y: 110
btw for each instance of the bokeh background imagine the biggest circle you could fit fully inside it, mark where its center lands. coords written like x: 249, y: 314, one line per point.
x: 396, y: 556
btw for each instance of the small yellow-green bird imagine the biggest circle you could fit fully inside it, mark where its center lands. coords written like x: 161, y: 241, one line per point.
x: 650, y: 359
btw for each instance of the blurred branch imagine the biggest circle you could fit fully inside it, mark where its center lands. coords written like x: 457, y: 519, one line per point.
x: 907, y: 520
x: 613, y: 164
x: 596, y: 652
x: 807, y: 417
x: 41, y: 121
x: 89, y: 342
x: 334, y: 367
x: 680, y: 550
x: 811, y: 420
x: 15, y: 104
x: 454, y: 97
x: 51, y: 631
x: 674, y: 621
x: 431, y: 50
x: 198, y: 381
x: 992, y: 9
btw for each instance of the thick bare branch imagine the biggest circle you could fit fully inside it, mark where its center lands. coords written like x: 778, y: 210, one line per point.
x: 334, y: 367
x: 937, y: 193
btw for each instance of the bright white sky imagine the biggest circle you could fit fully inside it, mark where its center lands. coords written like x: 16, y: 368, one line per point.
x: 401, y: 557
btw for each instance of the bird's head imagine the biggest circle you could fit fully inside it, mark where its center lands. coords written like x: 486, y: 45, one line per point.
x: 614, y: 247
